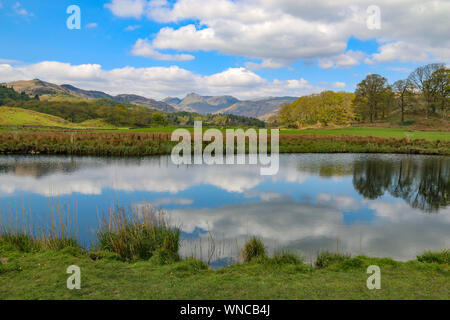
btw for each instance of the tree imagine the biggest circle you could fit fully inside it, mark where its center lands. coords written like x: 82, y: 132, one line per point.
x: 159, y: 118
x: 403, y: 90
x: 323, y: 109
x: 421, y: 78
x: 371, y: 95
x: 439, y: 84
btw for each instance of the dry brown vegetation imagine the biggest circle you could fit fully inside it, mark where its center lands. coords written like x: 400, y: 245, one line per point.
x: 144, y: 144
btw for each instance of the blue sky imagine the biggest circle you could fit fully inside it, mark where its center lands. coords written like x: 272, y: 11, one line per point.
x: 246, y: 48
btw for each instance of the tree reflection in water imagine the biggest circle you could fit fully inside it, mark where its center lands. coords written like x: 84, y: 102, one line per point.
x: 423, y: 184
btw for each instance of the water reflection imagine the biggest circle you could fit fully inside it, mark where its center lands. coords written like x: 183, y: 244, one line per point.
x: 373, y: 204
x: 423, y: 184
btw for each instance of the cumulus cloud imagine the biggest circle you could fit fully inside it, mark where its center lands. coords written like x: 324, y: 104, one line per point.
x: 158, y: 82
x: 145, y: 49
x: 283, y: 31
x: 345, y: 60
x: 400, y: 51
x: 127, y: 8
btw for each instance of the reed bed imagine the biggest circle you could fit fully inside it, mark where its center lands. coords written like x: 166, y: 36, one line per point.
x: 146, y: 144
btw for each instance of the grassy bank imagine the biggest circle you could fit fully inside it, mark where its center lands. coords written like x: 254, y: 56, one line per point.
x: 42, y: 275
x: 158, y: 143
x: 135, y: 256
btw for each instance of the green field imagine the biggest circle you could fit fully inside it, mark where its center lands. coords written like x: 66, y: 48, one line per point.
x: 42, y: 275
x: 376, y: 132
x: 16, y: 118
x: 353, y: 131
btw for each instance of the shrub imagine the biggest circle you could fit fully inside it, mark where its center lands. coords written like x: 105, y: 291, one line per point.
x: 254, y: 248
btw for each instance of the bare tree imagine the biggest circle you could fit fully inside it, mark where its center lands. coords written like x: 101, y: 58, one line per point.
x: 420, y: 78
x: 403, y: 91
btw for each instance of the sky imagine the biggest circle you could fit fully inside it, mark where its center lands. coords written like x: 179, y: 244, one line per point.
x: 244, y: 48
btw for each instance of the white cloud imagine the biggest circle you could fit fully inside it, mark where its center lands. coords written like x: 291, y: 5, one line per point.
x: 280, y: 32
x: 158, y: 82
x: 339, y: 85
x: 21, y: 10
x: 132, y: 27
x: 399, y: 51
x: 8, y: 60
x: 127, y: 8
x: 168, y: 201
x: 145, y: 49
x: 345, y: 60
x: 91, y: 25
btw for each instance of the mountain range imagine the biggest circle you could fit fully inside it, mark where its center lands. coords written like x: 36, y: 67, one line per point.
x: 261, y: 108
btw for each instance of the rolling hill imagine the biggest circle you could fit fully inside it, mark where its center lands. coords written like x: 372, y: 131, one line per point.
x: 47, y: 90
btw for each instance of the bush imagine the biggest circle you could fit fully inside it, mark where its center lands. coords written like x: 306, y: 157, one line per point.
x: 137, y: 235
x: 435, y: 257
x: 254, y: 248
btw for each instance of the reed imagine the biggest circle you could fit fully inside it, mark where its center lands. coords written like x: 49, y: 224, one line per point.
x: 139, y: 234
x: 58, y: 231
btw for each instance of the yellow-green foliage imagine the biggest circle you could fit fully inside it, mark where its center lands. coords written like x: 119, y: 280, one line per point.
x: 96, y: 123
x: 22, y: 117
x: 326, y: 108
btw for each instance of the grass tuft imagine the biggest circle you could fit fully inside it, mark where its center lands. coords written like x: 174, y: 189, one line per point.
x: 138, y: 234
x: 254, y: 248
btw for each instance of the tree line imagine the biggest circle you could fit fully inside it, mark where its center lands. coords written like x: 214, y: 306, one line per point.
x: 425, y: 91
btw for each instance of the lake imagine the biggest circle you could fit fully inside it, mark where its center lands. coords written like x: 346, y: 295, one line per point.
x: 378, y: 205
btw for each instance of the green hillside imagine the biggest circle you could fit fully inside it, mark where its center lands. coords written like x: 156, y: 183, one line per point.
x: 17, y: 117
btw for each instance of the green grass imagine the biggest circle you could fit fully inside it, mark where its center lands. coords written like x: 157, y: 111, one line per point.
x: 18, y: 117
x: 42, y: 275
x: 22, y: 117
x: 398, y: 133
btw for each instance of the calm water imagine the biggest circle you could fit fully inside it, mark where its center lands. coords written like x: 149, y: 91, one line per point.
x: 378, y: 205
